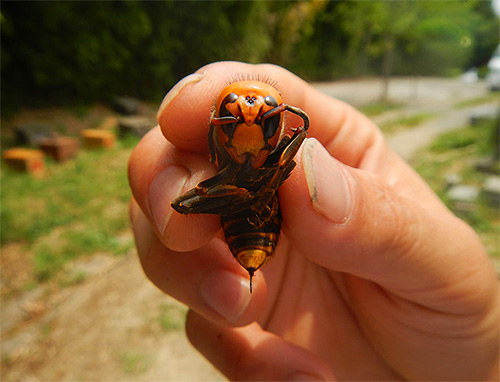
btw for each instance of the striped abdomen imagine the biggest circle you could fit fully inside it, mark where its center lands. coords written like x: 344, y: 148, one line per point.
x: 252, y: 239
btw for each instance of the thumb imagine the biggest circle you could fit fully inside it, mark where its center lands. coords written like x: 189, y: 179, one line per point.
x: 350, y: 220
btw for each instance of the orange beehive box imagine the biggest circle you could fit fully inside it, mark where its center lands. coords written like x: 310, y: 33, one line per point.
x: 26, y: 160
x: 98, y: 139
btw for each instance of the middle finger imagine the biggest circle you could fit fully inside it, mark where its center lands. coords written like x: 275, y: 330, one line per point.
x: 207, y: 279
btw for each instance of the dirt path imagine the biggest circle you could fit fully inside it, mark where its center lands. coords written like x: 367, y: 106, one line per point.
x: 438, y: 97
x: 116, y: 326
x: 406, y: 143
x: 415, y: 93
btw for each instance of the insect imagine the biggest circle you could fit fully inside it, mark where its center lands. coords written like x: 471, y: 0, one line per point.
x: 254, y: 157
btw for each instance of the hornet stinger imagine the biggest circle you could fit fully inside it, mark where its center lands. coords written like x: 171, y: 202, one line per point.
x: 254, y: 158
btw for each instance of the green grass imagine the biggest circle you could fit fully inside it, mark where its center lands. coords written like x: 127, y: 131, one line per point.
x: 171, y: 317
x: 478, y: 101
x: 457, y: 152
x: 479, y: 138
x: 377, y: 108
x: 392, y: 126
x: 133, y: 363
x: 74, y: 278
x: 79, y: 207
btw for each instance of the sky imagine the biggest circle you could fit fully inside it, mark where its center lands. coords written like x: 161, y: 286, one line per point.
x: 496, y: 6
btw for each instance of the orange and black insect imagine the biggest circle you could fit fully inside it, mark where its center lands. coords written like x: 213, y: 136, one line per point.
x: 254, y: 159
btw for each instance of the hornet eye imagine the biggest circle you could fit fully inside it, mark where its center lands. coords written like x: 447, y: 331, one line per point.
x: 271, y: 125
x: 270, y: 101
x: 230, y: 98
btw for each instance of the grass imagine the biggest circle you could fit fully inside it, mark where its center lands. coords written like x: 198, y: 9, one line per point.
x: 392, y: 126
x: 480, y: 100
x: 133, y: 363
x: 457, y: 152
x: 171, y: 317
x: 377, y: 108
x: 79, y: 207
x: 73, y: 279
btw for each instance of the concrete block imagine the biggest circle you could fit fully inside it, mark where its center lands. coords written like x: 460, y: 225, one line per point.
x: 126, y: 105
x: 463, y: 198
x: 452, y: 180
x: 484, y: 115
x: 31, y: 134
x: 137, y: 126
x: 488, y: 165
x: 491, y: 191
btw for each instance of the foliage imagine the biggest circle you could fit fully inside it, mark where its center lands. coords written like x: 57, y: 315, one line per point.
x: 486, y: 34
x: 422, y: 37
x: 70, y: 48
x: 321, y: 50
x: 77, y: 51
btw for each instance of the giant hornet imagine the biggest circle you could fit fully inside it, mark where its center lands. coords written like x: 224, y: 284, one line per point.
x: 254, y: 157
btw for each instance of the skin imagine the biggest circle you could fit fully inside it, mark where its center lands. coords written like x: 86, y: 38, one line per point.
x: 373, y: 278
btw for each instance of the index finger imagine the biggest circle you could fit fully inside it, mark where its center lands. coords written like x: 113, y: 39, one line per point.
x: 185, y: 113
x: 347, y: 134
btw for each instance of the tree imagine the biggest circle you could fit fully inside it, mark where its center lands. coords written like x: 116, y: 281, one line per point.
x: 81, y: 52
x: 426, y: 37
x: 56, y: 50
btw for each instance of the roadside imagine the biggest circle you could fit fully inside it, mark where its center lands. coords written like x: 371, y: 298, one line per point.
x: 407, y: 142
x: 424, y: 93
x: 444, y: 104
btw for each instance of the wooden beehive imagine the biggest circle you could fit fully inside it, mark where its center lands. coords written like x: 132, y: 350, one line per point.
x: 98, y: 139
x: 61, y: 148
x: 25, y: 160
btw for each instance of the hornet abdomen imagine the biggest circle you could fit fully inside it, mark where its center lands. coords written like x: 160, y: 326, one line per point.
x: 252, y: 239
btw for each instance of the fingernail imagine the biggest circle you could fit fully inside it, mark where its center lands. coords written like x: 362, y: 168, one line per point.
x: 327, y: 183
x: 167, y: 184
x: 191, y: 79
x: 226, y: 293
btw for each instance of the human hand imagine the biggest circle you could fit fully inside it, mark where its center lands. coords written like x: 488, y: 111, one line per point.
x: 373, y: 278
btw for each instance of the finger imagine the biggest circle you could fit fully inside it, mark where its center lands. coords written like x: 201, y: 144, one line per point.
x: 185, y: 112
x: 207, y: 280
x: 252, y: 354
x: 159, y: 172
x: 352, y: 221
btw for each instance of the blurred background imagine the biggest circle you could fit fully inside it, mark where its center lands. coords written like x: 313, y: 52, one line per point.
x: 80, y: 85
x: 73, y: 52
